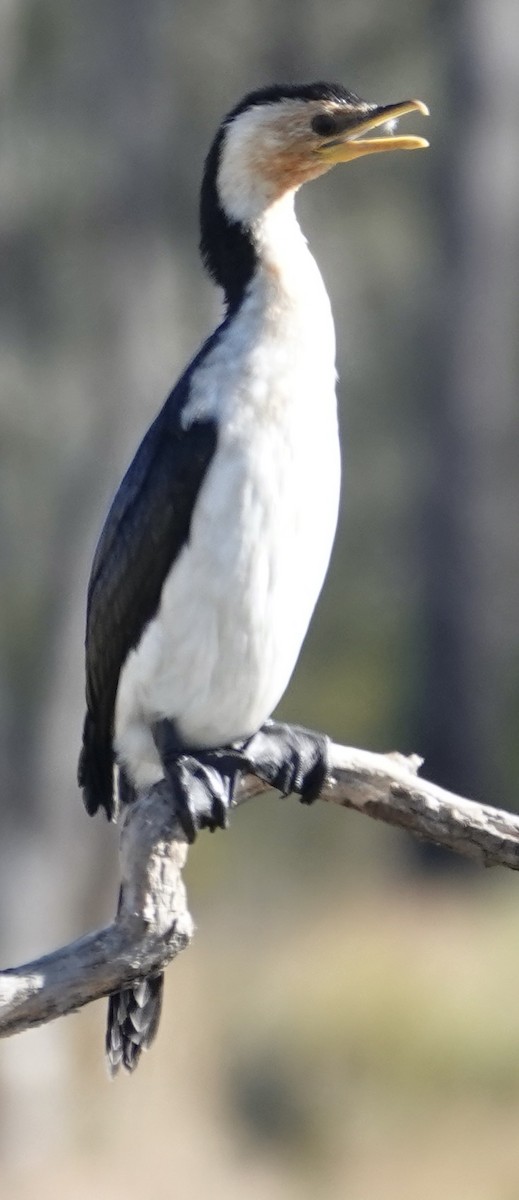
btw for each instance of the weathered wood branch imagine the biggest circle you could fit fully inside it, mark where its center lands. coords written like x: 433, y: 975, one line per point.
x: 153, y: 922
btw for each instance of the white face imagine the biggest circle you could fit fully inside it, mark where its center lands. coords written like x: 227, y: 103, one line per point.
x: 268, y: 151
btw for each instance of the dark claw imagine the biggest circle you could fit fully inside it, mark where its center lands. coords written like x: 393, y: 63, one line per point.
x: 219, y: 817
x: 214, y: 793
x: 180, y: 779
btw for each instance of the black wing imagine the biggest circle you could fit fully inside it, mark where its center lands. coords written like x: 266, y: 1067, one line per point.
x: 147, y: 525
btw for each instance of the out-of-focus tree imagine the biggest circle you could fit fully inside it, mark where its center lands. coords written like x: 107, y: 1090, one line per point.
x: 467, y: 541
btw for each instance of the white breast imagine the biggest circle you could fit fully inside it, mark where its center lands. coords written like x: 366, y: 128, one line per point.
x: 237, y: 603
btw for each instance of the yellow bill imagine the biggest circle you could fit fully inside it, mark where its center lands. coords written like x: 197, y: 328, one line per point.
x: 353, y: 143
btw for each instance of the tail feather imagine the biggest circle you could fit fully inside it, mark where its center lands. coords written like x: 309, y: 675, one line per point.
x: 133, y: 1020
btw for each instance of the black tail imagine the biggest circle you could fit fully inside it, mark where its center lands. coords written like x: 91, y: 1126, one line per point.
x: 96, y: 769
x: 133, y: 1020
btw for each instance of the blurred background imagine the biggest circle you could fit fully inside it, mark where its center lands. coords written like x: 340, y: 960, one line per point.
x: 346, y: 1023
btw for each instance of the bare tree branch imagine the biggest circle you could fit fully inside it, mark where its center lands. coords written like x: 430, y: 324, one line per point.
x: 153, y: 923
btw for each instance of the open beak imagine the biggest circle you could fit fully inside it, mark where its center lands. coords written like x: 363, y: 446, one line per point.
x: 352, y: 143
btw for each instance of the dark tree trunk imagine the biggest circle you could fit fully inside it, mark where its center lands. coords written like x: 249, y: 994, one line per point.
x: 466, y: 541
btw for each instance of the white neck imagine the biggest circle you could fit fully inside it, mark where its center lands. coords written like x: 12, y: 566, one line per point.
x: 281, y: 338
x: 278, y: 239
x: 287, y: 282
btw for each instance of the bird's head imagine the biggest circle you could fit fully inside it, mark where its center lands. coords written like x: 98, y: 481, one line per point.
x: 278, y: 138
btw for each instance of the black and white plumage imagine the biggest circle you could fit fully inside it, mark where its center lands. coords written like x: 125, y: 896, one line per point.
x: 218, y: 540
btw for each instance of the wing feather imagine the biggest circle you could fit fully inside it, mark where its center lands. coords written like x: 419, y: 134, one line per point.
x: 147, y: 526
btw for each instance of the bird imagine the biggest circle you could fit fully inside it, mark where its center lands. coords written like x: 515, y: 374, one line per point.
x: 217, y: 543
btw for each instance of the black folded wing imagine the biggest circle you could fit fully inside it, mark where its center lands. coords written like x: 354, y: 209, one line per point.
x: 146, y: 528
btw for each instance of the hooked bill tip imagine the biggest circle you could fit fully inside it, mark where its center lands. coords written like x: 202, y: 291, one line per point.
x: 422, y: 108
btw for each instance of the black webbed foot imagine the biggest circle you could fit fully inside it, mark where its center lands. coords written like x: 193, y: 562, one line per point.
x: 207, y: 782
x: 290, y: 758
x: 202, y: 782
x: 220, y: 770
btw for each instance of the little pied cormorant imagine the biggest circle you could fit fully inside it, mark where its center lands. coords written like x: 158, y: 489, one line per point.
x: 216, y: 545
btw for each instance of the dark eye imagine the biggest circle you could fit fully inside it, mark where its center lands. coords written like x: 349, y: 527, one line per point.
x: 324, y: 125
